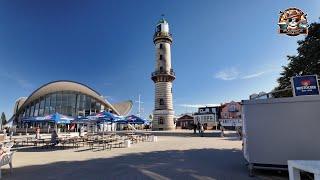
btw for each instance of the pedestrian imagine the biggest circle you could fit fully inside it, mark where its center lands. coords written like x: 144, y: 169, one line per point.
x: 198, y: 127
x: 239, y: 131
x: 54, y: 138
x: 222, y: 131
x: 201, y: 130
x: 194, y: 128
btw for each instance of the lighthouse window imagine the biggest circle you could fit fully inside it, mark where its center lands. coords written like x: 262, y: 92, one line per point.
x: 159, y: 28
x: 160, y: 46
x: 161, y: 101
x: 161, y: 120
x: 161, y: 68
x: 160, y: 57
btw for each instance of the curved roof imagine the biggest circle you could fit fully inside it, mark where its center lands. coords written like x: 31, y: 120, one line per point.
x: 124, y: 108
x: 18, y: 104
x: 65, y: 85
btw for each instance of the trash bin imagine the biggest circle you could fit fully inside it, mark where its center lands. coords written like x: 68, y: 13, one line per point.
x: 127, y: 143
x: 154, y: 138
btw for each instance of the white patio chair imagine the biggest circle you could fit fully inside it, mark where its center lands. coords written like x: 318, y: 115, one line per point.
x: 6, y: 158
x: 7, y: 146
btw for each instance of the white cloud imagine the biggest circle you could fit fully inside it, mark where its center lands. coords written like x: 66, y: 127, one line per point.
x: 196, y: 105
x: 228, y: 74
x: 233, y: 74
x: 253, y: 75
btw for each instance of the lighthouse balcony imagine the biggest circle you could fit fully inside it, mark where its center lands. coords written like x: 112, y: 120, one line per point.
x: 169, y: 75
x: 162, y: 35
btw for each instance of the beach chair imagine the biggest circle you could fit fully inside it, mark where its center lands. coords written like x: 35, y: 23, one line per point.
x: 5, y: 159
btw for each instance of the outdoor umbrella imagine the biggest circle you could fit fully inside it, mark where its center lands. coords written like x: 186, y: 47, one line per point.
x: 55, y: 118
x: 132, y: 119
x: 33, y: 119
x: 81, y: 120
x: 59, y: 118
x: 103, y: 117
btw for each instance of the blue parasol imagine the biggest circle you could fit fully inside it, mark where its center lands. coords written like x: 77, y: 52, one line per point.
x: 132, y: 119
x: 55, y: 118
x: 59, y: 118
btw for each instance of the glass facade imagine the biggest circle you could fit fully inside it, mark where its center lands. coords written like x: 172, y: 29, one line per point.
x: 68, y: 103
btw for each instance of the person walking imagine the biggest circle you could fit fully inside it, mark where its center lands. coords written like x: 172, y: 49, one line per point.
x: 198, y: 127
x: 54, y: 138
x: 239, y: 131
x: 222, y: 131
x: 201, y: 130
x: 194, y: 128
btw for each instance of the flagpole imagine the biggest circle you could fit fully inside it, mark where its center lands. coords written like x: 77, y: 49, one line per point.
x: 139, y: 105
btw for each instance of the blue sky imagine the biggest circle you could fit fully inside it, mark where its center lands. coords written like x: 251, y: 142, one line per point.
x: 222, y: 50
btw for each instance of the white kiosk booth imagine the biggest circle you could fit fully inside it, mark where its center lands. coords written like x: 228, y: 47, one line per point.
x: 280, y: 129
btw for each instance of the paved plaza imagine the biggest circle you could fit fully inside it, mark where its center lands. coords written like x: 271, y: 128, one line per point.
x: 176, y: 155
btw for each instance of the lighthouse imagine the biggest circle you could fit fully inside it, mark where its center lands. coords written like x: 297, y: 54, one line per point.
x: 163, y: 76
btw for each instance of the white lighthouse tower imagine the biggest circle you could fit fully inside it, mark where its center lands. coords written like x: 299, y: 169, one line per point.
x: 163, y: 77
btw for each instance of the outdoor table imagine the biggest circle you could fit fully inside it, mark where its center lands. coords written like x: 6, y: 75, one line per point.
x: 63, y: 141
x: 133, y: 138
x: 18, y: 141
x: 104, y: 142
x: 147, y: 136
x: 111, y: 134
x: 76, y: 141
x: 38, y: 141
x: 29, y: 138
x: 91, y: 144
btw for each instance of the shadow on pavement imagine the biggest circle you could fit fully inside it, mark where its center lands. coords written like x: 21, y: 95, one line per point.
x: 174, y: 164
x: 41, y: 148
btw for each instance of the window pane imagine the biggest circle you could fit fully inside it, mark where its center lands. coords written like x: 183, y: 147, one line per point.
x: 47, y: 105
x: 59, y: 99
x: 41, y: 107
x: 36, y: 109
x: 53, y: 104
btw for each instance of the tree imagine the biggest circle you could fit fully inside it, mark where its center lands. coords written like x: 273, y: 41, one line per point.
x: 306, y: 62
x: 3, y: 119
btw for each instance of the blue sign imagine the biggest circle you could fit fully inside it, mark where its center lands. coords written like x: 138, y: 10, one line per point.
x: 305, y: 85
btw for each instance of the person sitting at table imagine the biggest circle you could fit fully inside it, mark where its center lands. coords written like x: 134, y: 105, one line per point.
x: 54, y: 138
